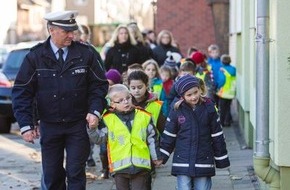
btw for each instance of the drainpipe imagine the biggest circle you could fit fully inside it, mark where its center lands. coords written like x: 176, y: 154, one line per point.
x: 261, y: 154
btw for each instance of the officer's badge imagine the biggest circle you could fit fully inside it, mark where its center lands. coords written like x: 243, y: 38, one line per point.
x: 71, y: 18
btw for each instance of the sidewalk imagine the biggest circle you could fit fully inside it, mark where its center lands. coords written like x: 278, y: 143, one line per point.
x: 239, y: 177
x: 20, y: 167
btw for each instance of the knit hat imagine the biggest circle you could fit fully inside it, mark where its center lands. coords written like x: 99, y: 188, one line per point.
x: 175, y: 55
x: 197, y: 57
x: 114, y: 76
x: 185, y: 83
x: 170, y: 62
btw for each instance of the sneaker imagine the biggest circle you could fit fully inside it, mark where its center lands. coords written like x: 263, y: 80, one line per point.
x: 91, y: 163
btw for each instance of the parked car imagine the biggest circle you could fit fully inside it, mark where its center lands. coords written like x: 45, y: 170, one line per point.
x: 4, y: 50
x: 7, y: 76
x: 3, y: 54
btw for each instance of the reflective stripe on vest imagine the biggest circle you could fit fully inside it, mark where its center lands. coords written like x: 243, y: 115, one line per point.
x: 154, y: 108
x: 124, y: 148
x: 228, y: 90
x: 125, y: 163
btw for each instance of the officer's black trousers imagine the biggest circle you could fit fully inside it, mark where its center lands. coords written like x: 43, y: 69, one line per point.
x: 64, y: 144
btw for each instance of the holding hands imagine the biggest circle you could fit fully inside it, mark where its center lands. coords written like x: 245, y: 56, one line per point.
x: 157, y: 162
x: 30, y: 135
x: 92, y: 120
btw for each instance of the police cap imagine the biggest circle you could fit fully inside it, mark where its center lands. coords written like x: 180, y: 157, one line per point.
x: 63, y: 19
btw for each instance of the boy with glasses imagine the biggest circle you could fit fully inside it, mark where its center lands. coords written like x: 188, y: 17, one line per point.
x: 132, y: 140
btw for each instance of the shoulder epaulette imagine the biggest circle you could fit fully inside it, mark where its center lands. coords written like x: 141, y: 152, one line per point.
x: 82, y: 43
x: 36, y: 46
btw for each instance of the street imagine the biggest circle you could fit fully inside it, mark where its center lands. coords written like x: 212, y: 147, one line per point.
x: 20, y: 167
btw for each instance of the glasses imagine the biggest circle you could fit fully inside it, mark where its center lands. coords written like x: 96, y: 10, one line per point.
x: 124, y: 100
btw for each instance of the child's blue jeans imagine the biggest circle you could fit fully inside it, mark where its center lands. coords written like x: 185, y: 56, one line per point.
x: 185, y: 182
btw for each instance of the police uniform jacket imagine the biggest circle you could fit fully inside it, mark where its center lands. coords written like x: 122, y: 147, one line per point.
x: 197, y: 139
x: 64, y: 93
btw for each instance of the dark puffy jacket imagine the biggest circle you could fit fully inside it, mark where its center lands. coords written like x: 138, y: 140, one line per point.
x: 160, y: 53
x: 121, y: 56
x: 63, y: 93
x: 197, y: 139
x: 145, y: 52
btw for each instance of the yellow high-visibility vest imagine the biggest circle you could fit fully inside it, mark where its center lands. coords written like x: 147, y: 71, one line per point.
x: 154, y: 108
x: 127, y: 148
x: 200, y: 75
x: 157, y: 89
x: 228, y: 90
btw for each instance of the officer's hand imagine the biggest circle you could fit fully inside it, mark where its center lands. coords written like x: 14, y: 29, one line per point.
x: 29, y: 136
x: 157, y: 163
x: 36, y: 131
x: 92, y: 120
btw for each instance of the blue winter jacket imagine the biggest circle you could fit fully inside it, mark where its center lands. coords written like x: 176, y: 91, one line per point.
x: 197, y: 139
x: 215, y: 67
x: 222, y: 78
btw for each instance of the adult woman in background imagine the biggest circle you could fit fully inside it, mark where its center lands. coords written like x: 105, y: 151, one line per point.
x: 123, y: 51
x: 165, y: 43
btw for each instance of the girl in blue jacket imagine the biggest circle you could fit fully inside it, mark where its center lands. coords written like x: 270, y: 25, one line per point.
x: 194, y: 132
x: 151, y: 68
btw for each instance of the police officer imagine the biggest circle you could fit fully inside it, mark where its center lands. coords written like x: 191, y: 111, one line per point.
x: 69, y: 86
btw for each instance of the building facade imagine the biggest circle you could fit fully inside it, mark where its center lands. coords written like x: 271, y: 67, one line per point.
x: 23, y: 21
x: 246, y: 38
x: 196, y: 23
x: 193, y: 23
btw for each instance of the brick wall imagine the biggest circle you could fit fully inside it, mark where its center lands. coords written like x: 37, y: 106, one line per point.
x: 190, y: 21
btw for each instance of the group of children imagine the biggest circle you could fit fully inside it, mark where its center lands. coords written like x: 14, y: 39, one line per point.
x: 158, y: 111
